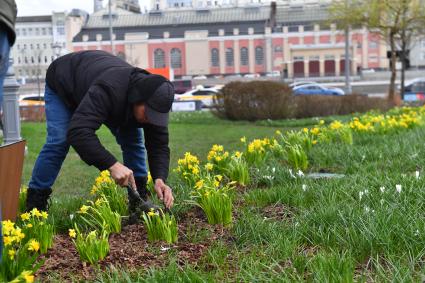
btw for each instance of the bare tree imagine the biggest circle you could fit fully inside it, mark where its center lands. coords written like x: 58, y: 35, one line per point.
x: 396, y: 21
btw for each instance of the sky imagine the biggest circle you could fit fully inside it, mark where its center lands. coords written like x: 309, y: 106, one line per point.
x: 45, y: 7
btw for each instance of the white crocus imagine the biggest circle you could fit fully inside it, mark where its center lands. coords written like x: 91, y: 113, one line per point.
x: 382, y: 189
x: 398, y: 188
x: 417, y: 174
x: 304, y: 187
x: 300, y: 173
x: 361, y: 195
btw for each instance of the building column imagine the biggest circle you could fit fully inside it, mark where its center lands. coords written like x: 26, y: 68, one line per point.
x: 337, y: 66
x: 237, y: 52
x: 222, y: 52
x: 300, y: 31
x: 316, y: 34
x: 251, y: 52
x: 322, y: 67
x: 269, y: 50
x: 365, y: 48
x: 333, y: 33
x: 306, y: 68
x: 287, y: 53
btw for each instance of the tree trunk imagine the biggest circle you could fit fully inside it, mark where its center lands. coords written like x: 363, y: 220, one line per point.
x: 403, y: 66
x: 391, y: 91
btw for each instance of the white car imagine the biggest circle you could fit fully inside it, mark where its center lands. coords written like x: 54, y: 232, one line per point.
x: 31, y: 100
x: 201, y: 77
x: 251, y: 76
x: 273, y: 74
x: 206, y: 95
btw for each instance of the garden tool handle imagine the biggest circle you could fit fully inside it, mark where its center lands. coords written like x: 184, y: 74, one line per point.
x: 134, y: 193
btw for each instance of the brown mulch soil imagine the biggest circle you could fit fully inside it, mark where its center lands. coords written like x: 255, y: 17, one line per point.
x: 131, y: 250
x: 278, y: 212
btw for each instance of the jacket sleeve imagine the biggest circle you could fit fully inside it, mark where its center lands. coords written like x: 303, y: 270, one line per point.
x: 91, y: 113
x: 156, y: 142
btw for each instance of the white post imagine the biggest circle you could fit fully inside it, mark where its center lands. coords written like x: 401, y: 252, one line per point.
x: 11, y: 116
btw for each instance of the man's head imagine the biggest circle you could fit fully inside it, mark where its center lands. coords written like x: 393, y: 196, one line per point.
x: 152, y: 97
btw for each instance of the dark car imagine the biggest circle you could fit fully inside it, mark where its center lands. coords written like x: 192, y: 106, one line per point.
x: 415, y: 90
x: 182, y: 86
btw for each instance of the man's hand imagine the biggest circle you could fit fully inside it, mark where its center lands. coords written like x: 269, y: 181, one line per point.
x: 164, y: 193
x: 122, y: 175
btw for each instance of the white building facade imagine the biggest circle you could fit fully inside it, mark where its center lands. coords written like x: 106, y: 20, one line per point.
x: 41, y: 39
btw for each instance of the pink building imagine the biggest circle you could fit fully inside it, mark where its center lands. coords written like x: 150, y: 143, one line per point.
x: 230, y: 41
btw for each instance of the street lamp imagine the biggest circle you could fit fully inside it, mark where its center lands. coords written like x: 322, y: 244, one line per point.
x: 57, y: 48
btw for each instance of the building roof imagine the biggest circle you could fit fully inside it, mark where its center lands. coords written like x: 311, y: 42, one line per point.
x: 34, y: 19
x: 124, y: 18
x: 297, y: 15
x: 176, y: 22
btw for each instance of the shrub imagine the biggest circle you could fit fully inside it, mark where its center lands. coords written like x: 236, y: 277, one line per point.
x: 254, y: 100
x: 259, y: 100
x: 322, y: 105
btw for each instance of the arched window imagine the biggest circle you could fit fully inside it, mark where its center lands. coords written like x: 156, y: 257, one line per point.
x: 229, y: 57
x: 215, y: 59
x: 176, y: 58
x: 259, y: 55
x: 244, y: 56
x: 159, y: 58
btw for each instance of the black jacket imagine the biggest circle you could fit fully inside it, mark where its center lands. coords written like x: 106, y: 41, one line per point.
x: 8, y: 13
x: 94, y: 85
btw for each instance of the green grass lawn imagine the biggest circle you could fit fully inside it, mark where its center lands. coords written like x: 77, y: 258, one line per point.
x: 296, y: 229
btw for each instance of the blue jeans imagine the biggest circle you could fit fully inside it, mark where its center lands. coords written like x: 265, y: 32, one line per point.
x: 54, y: 151
x: 4, y: 61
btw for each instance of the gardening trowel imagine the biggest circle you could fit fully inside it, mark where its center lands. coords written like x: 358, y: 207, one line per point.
x: 143, y: 205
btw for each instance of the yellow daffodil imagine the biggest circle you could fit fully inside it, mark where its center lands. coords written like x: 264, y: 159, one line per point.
x: 305, y: 130
x: 29, y: 225
x: 209, y: 166
x: 8, y: 240
x: 29, y: 278
x: 33, y: 245
x: 36, y: 212
x: 44, y: 214
x: 94, y: 189
x: 11, y: 254
x: 278, y: 132
x: 72, y: 233
x: 243, y: 139
x: 238, y: 154
x: 84, y: 209
x: 151, y: 213
x: 199, y: 184
x: 25, y: 216
x: 315, y: 131
x: 219, y: 177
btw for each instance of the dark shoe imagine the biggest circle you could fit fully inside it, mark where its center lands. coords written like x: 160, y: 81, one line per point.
x: 38, y: 198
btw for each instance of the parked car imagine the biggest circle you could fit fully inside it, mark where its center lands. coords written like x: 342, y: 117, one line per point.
x: 414, y: 90
x: 206, y: 95
x: 200, y: 77
x: 31, y: 100
x: 316, y: 89
x: 251, y: 76
x: 181, y: 86
x: 273, y: 74
x: 300, y: 83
